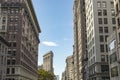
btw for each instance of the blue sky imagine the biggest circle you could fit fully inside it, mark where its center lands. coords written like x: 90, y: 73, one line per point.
x: 56, y: 22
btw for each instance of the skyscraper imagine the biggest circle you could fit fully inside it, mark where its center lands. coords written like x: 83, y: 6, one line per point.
x: 48, y: 62
x: 21, y: 29
x: 80, y: 40
x: 100, y: 23
x: 69, y: 68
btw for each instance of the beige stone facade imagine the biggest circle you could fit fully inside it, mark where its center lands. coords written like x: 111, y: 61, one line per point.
x: 69, y: 68
x: 48, y: 62
x: 100, y: 23
x: 80, y: 40
x: 116, y: 64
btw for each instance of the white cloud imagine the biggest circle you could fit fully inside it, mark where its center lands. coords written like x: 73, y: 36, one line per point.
x: 67, y: 39
x: 48, y: 43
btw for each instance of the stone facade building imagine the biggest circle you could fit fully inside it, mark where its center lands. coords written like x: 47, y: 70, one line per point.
x: 80, y: 41
x: 100, y: 23
x: 48, y: 62
x: 20, y: 28
x: 3, y: 57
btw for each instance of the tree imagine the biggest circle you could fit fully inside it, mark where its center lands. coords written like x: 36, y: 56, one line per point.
x: 45, y: 75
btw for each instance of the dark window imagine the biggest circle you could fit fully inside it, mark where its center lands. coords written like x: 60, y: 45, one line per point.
x: 106, y: 29
x: 8, y: 62
x: 118, y: 21
x: 13, y: 70
x: 101, y: 38
x: 13, y: 62
x: 104, y: 12
x: 114, y: 28
x: 100, y: 20
x: 106, y: 48
x: 104, y: 68
x: 113, y: 58
x: 14, y: 44
x: 114, y: 71
x: 113, y: 21
x: 102, y: 48
x: 105, y: 21
x: 8, y: 71
x: 100, y: 29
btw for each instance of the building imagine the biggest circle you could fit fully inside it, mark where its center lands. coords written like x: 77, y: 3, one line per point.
x: 80, y: 40
x: 113, y: 57
x: 100, y: 23
x: 21, y: 29
x: 3, y: 58
x: 64, y: 76
x: 116, y: 67
x: 40, y: 67
x: 48, y: 62
x: 69, y: 68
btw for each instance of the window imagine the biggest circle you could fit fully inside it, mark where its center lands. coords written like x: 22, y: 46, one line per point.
x: 14, y: 53
x: 114, y: 28
x: 118, y: 20
x: 112, y: 12
x: 106, y: 36
x: 8, y: 62
x: 101, y: 47
x: 98, y: 4
x: 113, y: 21
x: 8, y: 71
x: 101, y: 38
x: 106, y: 48
x: 103, y: 58
x: 104, y: 68
x: 112, y: 4
x: 4, y: 20
x: 114, y: 71
x: 100, y: 20
x: 14, y: 44
x: 3, y: 27
x: 106, y: 29
x: 112, y: 45
x: 13, y: 62
x: 100, y: 29
x: 104, y: 12
x: 105, y: 21
x: 13, y: 70
x: 104, y: 4
x: 113, y: 58
x: 99, y: 12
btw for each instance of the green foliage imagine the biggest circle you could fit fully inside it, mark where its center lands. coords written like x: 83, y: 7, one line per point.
x: 44, y: 75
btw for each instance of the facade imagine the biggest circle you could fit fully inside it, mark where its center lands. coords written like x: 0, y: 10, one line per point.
x: 100, y: 23
x: 48, y: 62
x: 40, y: 67
x: 114, y: 66
x: 80, y: 41
x: 20, y: 28
x: 3, y: 58
x: 117, y: 15
x: 64, y: 76
x: 69, y: 68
